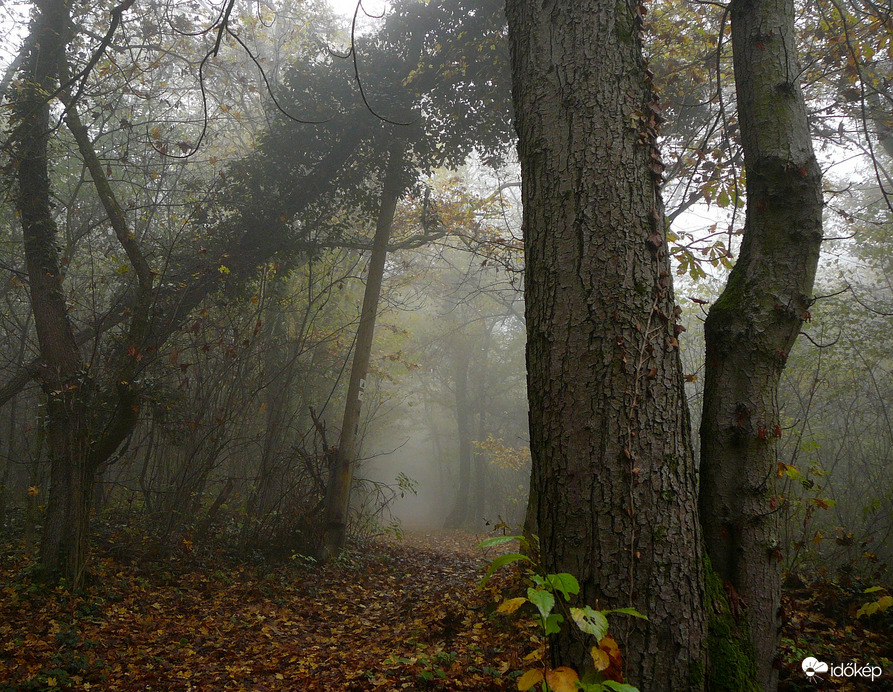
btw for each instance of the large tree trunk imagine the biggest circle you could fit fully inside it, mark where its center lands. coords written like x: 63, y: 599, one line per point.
x: 613, y: 476
x: 752, y: 326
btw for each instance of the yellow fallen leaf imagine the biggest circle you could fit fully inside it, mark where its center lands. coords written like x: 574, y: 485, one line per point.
x: 510, y: 605
x: 536, y: 655
x: 529, y: 679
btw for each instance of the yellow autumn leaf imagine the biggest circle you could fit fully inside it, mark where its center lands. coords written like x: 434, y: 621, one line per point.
x: 529, y: 679
x: 536, y: 655
x: 510, y: 605
x: 600, y: 658
x: 562, y: 679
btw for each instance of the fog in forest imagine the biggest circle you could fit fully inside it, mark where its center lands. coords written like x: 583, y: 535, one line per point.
x: 212, y: 317
x: 285, y: 333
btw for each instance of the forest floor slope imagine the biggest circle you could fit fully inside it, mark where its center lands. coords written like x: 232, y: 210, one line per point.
x: 389, y: 616
x: 392, y: 615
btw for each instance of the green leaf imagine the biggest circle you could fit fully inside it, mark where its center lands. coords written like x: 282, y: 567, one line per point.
x: 543, y: 600
x: 619, y: 686
x: 872, y: 589
x: 590, y: 621
x: 626, y: 611
x: 500, y: 540
x: 792, y: 472
x: 593, y: 677
x: 566, y: 583
x: 552, y: 624
x: 501, y: 561
x: 868, y: 609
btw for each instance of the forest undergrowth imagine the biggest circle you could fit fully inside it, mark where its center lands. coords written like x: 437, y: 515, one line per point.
x: 389, y: 615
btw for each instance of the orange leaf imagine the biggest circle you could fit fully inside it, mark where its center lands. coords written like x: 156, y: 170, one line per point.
x: 614, y: 671
x: 609, y: 645
x: 562, y: 679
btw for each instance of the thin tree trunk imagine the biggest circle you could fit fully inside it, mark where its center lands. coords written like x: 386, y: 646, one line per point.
x: 750, y: 329
x: 337, y: 501
x: 479, y: 459
x: 61, y: 372
x: 478, y: 507
x: 279, y: 373
x: 459, y: 514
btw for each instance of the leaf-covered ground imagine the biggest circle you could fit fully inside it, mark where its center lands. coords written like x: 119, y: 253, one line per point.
x: 820, y: 621
x: 392, y: 616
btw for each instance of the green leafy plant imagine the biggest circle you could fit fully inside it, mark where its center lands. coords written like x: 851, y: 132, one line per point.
x: 545, y: 592
x: 878, y: 606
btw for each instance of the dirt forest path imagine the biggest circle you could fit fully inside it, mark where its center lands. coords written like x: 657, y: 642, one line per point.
x: 397, y: 615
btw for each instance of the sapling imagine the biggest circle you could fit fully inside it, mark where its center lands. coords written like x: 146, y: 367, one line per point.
x: 544, y: 593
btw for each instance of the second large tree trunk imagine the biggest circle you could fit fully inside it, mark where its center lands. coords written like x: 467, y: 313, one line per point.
x: 613, y: 477
x: 751, y: 328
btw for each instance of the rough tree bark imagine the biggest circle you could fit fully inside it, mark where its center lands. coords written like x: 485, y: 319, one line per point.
x: 750, y: 329
x: 613, y: 478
